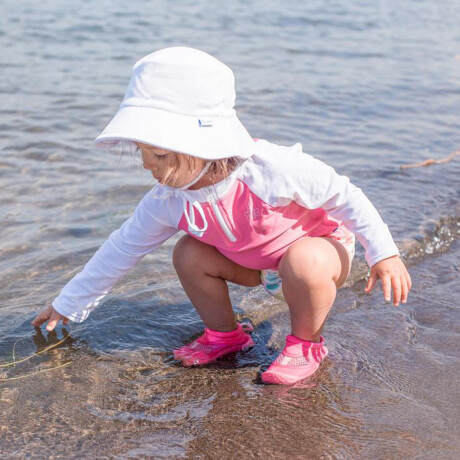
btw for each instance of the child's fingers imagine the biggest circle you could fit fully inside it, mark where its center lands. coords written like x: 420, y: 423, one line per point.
x: 405, y: 290
x: 396, y: 283
x: 41, y: 317
x: 409, y: 281
x: 55, y: 317
x: 37, y: 320
x: 386, y: 287
x: 370, y: 283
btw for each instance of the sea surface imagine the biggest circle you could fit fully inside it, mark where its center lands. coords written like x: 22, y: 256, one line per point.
x: 366, y: 87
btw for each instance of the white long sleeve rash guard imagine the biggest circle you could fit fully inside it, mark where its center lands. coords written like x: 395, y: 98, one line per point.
x: 272, y: 199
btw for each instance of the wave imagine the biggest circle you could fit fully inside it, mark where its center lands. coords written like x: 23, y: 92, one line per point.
x: 443, y: 234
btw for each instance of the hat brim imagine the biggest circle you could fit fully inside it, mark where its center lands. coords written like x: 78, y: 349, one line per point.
x: 226, y: 137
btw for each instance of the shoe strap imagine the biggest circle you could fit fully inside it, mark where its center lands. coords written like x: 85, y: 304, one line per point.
x: 242, y: 327
x: 293, y: 340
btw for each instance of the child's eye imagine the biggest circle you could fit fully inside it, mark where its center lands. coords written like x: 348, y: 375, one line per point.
x: 160, y: 157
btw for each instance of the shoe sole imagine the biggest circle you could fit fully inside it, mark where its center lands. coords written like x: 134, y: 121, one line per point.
x: 189, y: 361
x: 280, y: 378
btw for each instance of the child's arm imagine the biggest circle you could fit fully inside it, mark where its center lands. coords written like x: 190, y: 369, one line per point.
x: 349, y: 204
x: 140, y: 234
x: 314, y: 184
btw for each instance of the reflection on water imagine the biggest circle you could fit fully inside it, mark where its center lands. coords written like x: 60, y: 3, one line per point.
x: 366, y: 88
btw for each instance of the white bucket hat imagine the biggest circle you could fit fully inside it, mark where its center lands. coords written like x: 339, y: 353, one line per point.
x: 181, y: 99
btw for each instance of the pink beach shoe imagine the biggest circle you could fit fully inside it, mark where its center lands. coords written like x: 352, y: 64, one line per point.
x: 213, y: 344
x: 298, y: 360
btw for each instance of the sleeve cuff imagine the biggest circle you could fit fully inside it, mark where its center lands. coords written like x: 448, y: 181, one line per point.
x: 384, y: 255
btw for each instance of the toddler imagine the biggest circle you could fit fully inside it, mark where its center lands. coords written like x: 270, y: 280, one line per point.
x: 253, y: 212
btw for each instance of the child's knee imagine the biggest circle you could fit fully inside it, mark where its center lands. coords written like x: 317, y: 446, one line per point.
x: 306, y: 262
x: 188, y: 253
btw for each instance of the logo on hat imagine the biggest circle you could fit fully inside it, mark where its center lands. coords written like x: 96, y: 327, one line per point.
x: 205, y: 122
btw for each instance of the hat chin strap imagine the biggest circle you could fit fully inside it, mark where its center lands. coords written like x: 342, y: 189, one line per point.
x: 197, y: 178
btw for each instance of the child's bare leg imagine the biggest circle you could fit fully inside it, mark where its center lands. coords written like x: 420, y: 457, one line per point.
x: 311, y: 270
x: 204, y: 272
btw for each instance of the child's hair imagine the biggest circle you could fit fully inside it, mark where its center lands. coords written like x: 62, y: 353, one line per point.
x: 217, y: 168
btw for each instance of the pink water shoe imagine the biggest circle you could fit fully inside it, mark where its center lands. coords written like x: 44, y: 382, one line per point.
x: 298, y: 360
x: 213, y: 344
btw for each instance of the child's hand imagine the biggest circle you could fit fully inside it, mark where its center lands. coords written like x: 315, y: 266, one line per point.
x: 393, y: 274
x: 49, y: 313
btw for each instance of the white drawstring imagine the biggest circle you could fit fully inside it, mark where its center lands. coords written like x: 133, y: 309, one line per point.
x: 192, y: 227
x: 163, y: 192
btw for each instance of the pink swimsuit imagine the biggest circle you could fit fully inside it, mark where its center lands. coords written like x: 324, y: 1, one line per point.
x: 253, y: 233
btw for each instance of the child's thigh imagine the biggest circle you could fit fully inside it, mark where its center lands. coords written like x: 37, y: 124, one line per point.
x: 192, y: 257
x: 316, y: 257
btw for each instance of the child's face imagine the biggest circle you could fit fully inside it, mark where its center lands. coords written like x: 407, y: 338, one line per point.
x: 159, y: 162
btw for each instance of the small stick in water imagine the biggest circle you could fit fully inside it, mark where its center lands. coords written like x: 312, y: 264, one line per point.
x: 431, y: 161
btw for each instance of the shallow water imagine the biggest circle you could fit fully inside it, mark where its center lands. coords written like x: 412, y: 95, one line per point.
x: 366, y: 88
